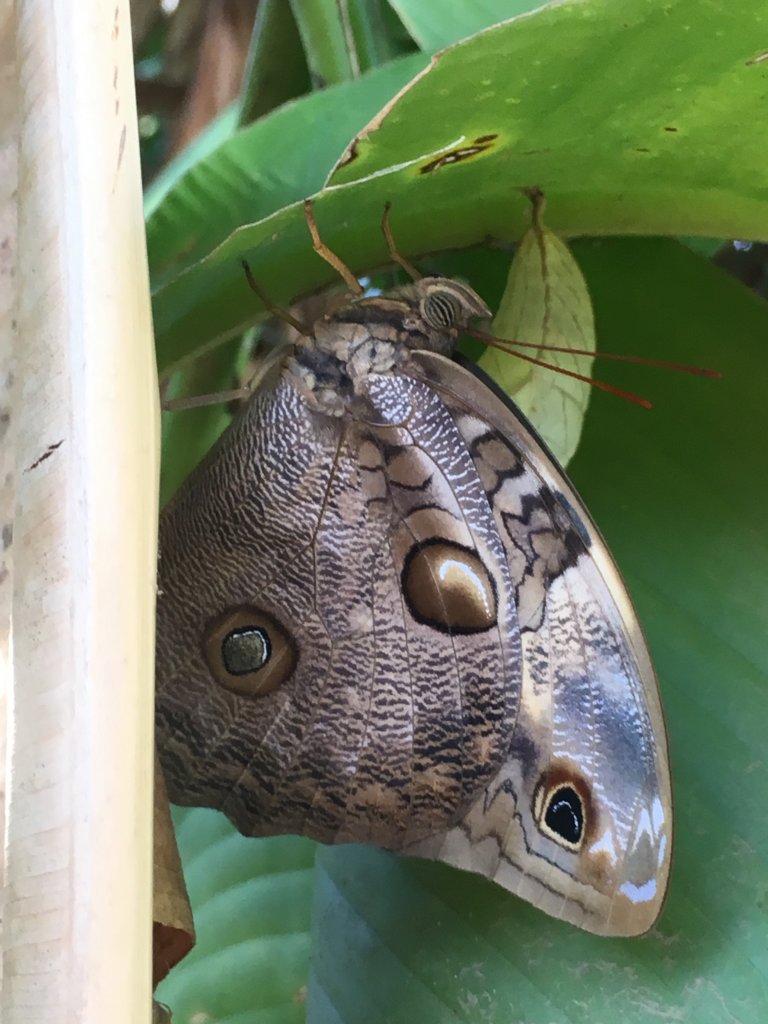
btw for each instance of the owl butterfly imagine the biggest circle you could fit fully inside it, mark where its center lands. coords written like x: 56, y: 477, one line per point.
x: 385, y: 616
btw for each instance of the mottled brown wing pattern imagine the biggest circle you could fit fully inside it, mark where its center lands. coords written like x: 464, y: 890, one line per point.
x: 385, y: 615
x: 590, y: 724
x: 363, y: 554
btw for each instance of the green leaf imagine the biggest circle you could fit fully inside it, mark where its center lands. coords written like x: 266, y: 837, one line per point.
x: 215, y: 133
x: 276, y: 70
x: 435, y: 25
x: 379, y: 34
x: 680, y: 493
x: 328, y: 43
x: 546, y: 302
x: 622, y: 112
x: 187, y: 435
x: 251, y: 902
x: 260, y: 169
x: 342, y: 40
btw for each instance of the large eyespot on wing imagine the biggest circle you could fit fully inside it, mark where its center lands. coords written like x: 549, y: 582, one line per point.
x: 447, y: 586
x: 239, y: 522
x: 579, y: 819
x: 248, y: 651
x: 561, y: 809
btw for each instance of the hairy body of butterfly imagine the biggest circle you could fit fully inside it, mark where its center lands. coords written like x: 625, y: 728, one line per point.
x: 384, y: 616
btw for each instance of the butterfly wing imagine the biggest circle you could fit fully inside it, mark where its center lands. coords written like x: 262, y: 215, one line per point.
x: 337, y: 650
x: 579, y: 819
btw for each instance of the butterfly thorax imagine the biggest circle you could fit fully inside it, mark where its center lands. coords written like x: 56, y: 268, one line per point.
x: 376, y: 335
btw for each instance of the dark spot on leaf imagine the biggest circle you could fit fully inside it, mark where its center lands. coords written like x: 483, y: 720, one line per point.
x: 670, y: 128
x: 454, y: 156
x: 350, y: 155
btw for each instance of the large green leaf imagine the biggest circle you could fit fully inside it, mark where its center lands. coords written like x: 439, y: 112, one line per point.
x: 276, y: 70
x: 434, y: 26
x: 245, y: 175
x: 251, y: 903
x: 623, y: 111
x: 680, y: 494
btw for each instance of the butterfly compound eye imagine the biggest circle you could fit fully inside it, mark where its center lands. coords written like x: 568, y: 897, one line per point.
x: 561, y: 814
x: 249, y: 652
x: 441, y: 310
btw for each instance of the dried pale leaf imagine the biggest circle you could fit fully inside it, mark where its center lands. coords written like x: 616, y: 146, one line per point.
x: 546, y: 302
x: 161, y: 1014
x: 174, y: 931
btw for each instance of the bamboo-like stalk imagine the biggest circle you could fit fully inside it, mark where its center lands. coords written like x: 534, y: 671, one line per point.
x: 77, y: 926
x: 8, y: 182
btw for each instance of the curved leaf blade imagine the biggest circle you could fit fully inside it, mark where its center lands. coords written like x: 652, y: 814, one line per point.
x: 668, y: 138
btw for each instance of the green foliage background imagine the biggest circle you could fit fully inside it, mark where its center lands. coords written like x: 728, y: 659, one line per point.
x: 636, y: 118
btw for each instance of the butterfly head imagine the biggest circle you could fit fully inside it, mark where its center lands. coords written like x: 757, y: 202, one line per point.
x: 441, y: 308
x: 446, y: 304
x: 374, y: 334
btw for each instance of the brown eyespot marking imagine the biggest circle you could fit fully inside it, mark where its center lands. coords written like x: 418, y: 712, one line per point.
x: 248, y: 651
x: 562, y: 808
x: 455, y: 156
x: 447, y: 587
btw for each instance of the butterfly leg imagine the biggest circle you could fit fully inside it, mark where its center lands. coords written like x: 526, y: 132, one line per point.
x: 328, y: 255
x: 269, y: 305
x: 394, y: 255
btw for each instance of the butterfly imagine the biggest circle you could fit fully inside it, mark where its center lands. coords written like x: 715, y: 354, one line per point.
x: 385, y: 616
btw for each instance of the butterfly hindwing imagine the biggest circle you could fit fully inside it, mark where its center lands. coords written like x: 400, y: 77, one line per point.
x: 578, y: 821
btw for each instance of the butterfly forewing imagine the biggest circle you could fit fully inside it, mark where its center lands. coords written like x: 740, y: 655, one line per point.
x: 365, y: 555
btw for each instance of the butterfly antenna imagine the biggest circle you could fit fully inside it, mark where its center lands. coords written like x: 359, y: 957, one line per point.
x: 202, y: 401
x: 329, y: 255
x: 505, y: 345
x: 394, y: 254
x: 628, y: 396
